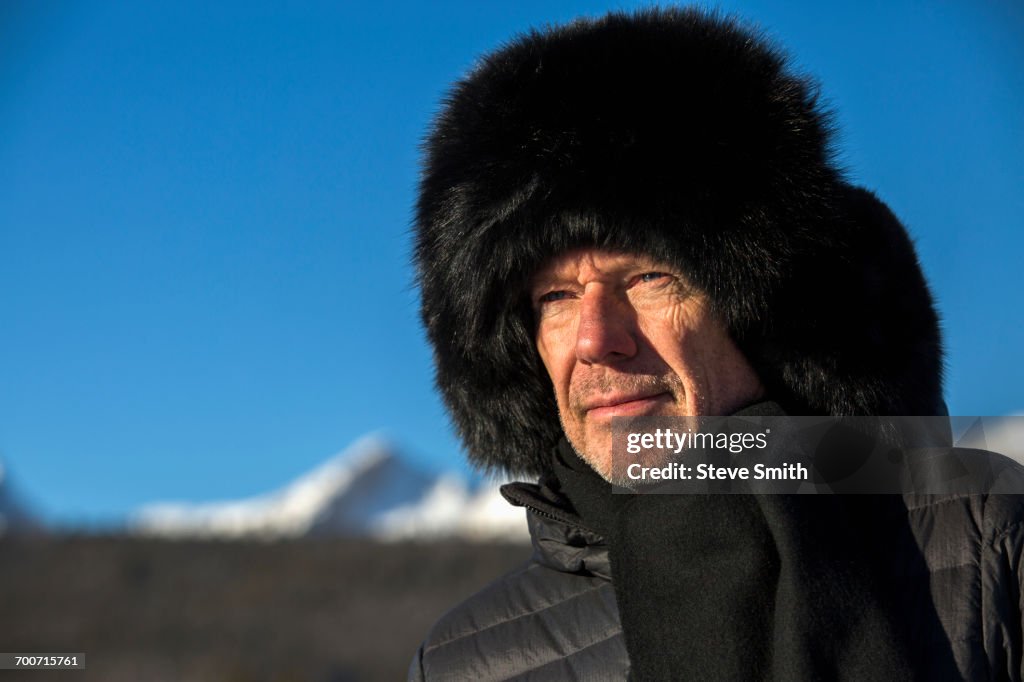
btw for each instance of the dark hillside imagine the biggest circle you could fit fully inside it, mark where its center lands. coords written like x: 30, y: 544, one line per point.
x: 316, y: 610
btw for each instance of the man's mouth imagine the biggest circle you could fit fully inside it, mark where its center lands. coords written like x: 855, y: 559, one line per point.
x: 625, y: 405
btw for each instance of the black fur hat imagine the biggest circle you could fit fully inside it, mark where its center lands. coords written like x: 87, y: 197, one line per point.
x: 683, y: 135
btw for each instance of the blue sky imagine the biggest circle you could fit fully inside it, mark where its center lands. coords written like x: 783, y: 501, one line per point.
x: 205, y: 207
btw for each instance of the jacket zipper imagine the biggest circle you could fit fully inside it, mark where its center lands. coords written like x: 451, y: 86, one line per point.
x: 549, y: 515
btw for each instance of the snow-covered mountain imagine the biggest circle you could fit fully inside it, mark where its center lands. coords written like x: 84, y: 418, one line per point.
x: 1004, y: 435
x: 366, y: 490
x: 14, y: 515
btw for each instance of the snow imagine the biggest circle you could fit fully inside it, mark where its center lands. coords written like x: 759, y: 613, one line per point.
x: 367, y: 490
x: 1004, y: 435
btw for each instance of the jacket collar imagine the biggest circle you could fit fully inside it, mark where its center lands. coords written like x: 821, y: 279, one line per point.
x: 561, y: 540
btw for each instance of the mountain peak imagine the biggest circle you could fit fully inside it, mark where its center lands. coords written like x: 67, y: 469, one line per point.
x: 368, y: 489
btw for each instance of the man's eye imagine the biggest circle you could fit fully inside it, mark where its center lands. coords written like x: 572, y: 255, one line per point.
x: 552, y: 296
x: 652, y: 276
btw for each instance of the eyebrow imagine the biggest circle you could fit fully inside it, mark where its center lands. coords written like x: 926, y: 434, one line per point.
x: 541, y: 282
x: 547, y: 278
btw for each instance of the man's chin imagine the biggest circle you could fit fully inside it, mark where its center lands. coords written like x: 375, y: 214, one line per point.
x: 602, y: 461
x: 598, y: 453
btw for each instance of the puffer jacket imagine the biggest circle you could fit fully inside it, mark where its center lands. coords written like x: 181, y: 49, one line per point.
x: 555, y: 618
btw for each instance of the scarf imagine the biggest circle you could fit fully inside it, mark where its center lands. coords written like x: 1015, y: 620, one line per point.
x: 749, y: 587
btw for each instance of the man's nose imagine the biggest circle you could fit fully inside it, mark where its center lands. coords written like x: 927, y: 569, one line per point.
x: 607, y: 327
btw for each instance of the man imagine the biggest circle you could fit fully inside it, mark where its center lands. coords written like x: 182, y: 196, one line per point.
x: 640, y: 215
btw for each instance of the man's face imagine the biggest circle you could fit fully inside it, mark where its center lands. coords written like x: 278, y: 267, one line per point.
x: 624, y: 335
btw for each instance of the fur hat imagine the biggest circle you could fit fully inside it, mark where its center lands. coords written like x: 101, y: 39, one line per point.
x: 683, y: 135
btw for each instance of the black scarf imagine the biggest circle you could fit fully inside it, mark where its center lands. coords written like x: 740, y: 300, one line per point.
x: 748, y: 587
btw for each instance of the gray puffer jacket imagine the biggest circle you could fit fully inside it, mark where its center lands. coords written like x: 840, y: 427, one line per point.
x: 555, y: 618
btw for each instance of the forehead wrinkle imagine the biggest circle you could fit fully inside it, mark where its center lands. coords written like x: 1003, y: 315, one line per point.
x: 579, y: 264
